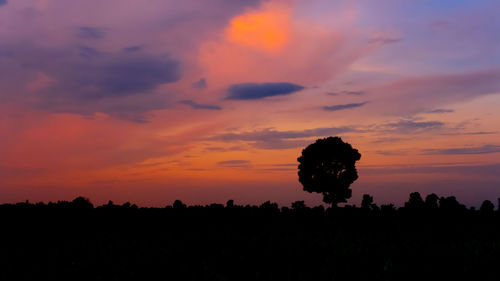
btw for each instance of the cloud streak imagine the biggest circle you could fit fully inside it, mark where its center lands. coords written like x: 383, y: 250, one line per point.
x: 343, y: 106
x: 485, y: 149
x: 414, y: 95
x: 254, y: 91
x: 195, y: 105
x: 410, y: 126
x: 234, y: 163
x: 200, y: 84
x: 90, y: 33
x: 274, y: 139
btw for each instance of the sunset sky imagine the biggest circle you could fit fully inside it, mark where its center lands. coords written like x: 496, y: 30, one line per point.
x: 205, y: 101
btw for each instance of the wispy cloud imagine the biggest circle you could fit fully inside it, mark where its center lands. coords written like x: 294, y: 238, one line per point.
x: 274, y: 139
x: 195, y: 105
x: 349, y: 93
x: 438, y: 168
x: 415, y: 95
x: 440, y: 110
x: 343, y: 106
x: 485, y: 149
x: 90, y: 33
x: 131, y: 49
x: 200, y: 84
x: 384, y: 39
x: 234, y: 163
x: 408, y: 126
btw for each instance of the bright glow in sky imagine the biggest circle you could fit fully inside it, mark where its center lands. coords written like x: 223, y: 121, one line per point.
x: 206, y: 101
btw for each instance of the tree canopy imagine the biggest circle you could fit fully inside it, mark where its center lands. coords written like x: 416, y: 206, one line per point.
x: 328, y: 166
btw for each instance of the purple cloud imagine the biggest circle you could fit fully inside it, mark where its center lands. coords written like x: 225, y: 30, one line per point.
x: 200, y: 84
x: 90, y: 33
x: 195, y: 105
x: 254, y: 91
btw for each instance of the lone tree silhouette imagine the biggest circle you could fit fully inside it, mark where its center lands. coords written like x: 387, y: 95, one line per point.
x: 328, y: 167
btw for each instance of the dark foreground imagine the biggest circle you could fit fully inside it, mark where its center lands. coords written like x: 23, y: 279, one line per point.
x: 74, y: 241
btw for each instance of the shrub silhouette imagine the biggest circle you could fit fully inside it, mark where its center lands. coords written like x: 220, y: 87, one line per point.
x: 82, y: 203
x: 487, y: 207
x: 367, y: 202
x: 431, y: 201
x: 328, y: 167
x: 179, y: 205
x: 415, y: 201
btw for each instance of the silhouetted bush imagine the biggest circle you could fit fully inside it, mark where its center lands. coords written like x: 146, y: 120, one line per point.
x: 487, y: 207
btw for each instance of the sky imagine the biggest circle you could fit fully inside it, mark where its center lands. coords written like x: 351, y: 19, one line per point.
x: 205, y: 101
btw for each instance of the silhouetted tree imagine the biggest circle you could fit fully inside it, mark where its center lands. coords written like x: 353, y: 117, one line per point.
x: 367, y: 201
x: 268, y: 205
x: 431, y: 201
x: 415, y: 201
x: 179, y: 205
x: 450, y: 204
x: 230, y: 203
x: 82, y: 202
x: 328, y: 166
x: 487, y: 207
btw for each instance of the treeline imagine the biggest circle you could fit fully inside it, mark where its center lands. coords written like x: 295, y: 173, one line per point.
x: 427, y: 238
x: 415, y: 203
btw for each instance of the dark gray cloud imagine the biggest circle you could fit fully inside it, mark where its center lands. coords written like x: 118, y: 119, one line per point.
x: 90, y: 33
x: 343, y: 106
x: 440, y: 110
x: 485, y: 149
x: 200, y: 84
x: 3, y: 2
x: 131, y: 75
x: 133, y: 49
x: 253, y: 91
x: 86, y: 81
x: 234, y: 163
x: 273, y: 139
x: 112, y: 76
x: 195, y: 105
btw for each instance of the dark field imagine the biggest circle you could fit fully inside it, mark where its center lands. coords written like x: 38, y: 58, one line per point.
x: 75, y: 241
